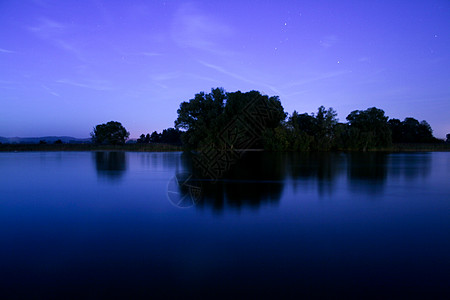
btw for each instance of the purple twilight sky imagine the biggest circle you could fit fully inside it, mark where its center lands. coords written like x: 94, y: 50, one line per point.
x: 66, y: 66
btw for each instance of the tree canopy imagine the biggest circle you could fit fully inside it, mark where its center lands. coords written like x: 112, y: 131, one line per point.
x: 411, y: 131
x: 169, y: 136
x: 222, y: 119
x: 112, y: 133
x: 238, y: 120
x: 369, y: 129
x: 225, y: 119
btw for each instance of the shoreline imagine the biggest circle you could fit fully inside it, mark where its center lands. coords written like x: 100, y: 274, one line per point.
x: 439, y: 147
x: 88, y: 147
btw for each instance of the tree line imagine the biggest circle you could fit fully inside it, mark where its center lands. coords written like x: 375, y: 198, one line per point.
x: 204, y: 117
x: 236, y: 120
x: 169, y: 136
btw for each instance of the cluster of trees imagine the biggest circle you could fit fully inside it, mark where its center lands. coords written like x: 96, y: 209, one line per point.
x: 221, y: 119
x: 114, y: 133
x: 251, y: 120
x: 364, y: 129
x: 206, y: 115
x: 411, y: 131
x: 321, y: 131
x: 171, y: 136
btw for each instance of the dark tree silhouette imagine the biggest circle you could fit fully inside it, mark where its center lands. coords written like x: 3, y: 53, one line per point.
x: 154, y: 138
x: 314, y: 131
x: 303, y: 122
x: 411, y: 131
x: 448, y: 138
x: 144, y: 139
x: 110, y: 133
x: 58, y: 142
x: 396, y: 127
x: 369, y: 129
x: 200, y: 116
x: 206, y: 116
x: 170, y: 136
x: 141, y: 139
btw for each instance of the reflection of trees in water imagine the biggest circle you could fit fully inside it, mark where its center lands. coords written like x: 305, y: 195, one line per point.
x: 111, y: 165
x: 259, y: 177
x: 159, y: 160
x: 367, y: 171
x: 255, y: 179
x: 320, y: 167
x: 409, y: 165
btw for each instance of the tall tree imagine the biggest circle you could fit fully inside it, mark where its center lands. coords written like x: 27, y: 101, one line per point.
x: 110, y: 133
x: 211, y: 119
x: 200, y: 116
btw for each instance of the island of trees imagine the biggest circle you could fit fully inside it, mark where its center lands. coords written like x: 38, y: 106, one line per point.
x: 207, y: 118
x: 223, y: 120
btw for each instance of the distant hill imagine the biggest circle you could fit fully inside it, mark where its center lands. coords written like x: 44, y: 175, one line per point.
x: 48, y: 139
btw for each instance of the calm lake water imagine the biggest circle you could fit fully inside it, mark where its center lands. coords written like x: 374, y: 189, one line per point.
x: 123, y: 224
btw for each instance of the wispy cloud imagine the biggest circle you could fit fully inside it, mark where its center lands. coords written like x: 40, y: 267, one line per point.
x: 328, y: 41
x: 241, y: 78
x: 2, y: 50
x: 151, y: 54
x: 52, y: 92
x: 192, y: 28
x: 224, y: 71
x: 58, y: 34
x: 47, y: 28
x: 71, y: 49
x: 166, y: 76
x: 99, y: 85
x: 205, y: 78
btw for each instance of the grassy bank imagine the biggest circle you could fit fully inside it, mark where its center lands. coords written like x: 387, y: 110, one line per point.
x: 89, y: 147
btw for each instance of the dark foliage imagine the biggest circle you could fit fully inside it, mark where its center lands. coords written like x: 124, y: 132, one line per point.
x: 228, y: 120
x: 111, y: 133
x: 200, y: 117
x: 411, y: 131
x: 207, y: 117
x: 169, y: 136
x: 314, y: 131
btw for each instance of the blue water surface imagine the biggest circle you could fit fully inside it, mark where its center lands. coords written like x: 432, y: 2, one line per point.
x: 140, y: 225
